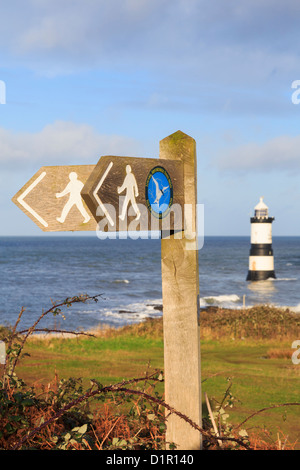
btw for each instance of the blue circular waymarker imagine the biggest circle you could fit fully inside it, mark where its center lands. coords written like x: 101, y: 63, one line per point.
x: 159, y: 192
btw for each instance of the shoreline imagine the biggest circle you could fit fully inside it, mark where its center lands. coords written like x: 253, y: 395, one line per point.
x: 210, y: 312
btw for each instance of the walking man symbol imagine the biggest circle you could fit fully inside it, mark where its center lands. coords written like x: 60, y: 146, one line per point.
x: 73, y: 188
x: 132, y: 192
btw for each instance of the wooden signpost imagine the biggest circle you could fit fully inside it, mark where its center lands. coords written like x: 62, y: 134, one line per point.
x: 133, y: 194
x: 180, y: 290
x: 52, y: 199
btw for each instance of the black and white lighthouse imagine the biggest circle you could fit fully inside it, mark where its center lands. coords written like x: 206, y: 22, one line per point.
x: 261, y: 259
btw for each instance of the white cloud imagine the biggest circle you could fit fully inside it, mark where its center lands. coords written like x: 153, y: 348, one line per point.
x: 61, y: 142
x: 235, y: 58
x: 280, y: 153
x: 225, y: 41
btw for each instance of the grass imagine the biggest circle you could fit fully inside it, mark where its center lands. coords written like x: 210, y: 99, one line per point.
x: 251, y: 350
x: 257, y: 382
x: 110, y: 357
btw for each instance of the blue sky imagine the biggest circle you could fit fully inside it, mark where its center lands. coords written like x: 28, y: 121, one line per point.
x: 85, y: 79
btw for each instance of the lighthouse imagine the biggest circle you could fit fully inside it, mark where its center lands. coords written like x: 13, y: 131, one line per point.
x: 261, y: 259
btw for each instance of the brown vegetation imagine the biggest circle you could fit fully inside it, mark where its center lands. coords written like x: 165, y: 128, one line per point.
x: 131, y: 414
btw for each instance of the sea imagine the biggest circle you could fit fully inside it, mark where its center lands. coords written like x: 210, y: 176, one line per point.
x: 38, y: 272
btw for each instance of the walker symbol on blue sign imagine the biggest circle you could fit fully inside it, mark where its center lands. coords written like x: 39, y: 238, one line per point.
x: 159, y: 192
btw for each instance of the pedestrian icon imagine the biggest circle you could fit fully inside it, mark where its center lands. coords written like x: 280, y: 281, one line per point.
x: 130, y: 185
x: 73, y: 188
x: 134, y: 194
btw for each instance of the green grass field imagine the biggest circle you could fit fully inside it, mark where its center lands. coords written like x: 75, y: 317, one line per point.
x: 252, y: 350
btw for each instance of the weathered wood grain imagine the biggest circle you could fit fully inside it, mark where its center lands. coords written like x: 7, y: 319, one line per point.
x: 113, y: 169
x: 180, y: 289
x: 42, y: 205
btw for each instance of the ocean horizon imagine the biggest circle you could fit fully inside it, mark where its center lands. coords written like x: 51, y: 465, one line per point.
x: 126, y: 273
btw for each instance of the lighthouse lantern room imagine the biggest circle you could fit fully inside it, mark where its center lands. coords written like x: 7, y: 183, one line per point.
x: 261, y: 259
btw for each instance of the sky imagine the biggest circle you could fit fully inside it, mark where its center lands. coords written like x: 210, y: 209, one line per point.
x: 92, y: 78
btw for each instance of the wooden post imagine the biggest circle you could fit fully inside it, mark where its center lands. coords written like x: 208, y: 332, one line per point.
x: 180, y: 289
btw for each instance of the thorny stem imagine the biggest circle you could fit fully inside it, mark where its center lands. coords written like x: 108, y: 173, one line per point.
x: 9, y: 344
x: 47, y: 330
x: 90, y: 393
x: 185, y: 418
x: 120, y: 388
x: 29, y: 331
x: 113, y: 388
x: 280, y: 405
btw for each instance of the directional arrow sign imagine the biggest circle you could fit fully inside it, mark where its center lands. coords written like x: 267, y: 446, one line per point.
x: 136, y: 194
x: 52, y: 199
x: 133, y: 194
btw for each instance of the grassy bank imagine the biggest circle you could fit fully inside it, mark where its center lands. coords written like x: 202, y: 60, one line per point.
x: 248, y: 353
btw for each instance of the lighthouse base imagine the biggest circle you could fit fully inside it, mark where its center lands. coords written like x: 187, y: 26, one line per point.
x: 260, y: 275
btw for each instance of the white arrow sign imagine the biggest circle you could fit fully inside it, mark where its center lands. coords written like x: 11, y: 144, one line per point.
x: 52, y: 199
x: 26, y: 206
x: 107, y: 214
x: 135, y: 194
